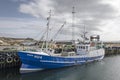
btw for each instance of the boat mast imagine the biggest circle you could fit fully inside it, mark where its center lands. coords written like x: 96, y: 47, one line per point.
x: 73, y: 18
x: 84, y: 34
x: 48, y: 19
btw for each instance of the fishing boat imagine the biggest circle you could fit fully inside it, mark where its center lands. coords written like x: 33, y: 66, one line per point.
x: 82, y: 52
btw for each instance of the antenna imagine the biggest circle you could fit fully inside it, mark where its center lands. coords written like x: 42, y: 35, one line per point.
x: 73, y: 17
x: 84, y: 33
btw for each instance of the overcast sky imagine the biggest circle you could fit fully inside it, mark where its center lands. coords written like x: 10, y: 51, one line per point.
x: 27, y: 18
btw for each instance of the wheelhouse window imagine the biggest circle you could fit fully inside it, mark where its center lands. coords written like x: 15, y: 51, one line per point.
x: 83, y: 47
x: 86, y: 47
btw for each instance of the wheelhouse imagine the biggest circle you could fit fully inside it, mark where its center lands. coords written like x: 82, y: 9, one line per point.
x: 83, y: 48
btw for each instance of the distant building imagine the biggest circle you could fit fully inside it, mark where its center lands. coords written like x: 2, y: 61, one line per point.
x: 28, y: 43
x: 112, y: 44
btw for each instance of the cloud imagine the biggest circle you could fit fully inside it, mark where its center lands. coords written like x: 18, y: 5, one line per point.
x: 20, y: 0
x: 85, y: 9
x: 94, y: 14
x: 15, y: 27
x: 37, y: 8
x: 98, y: 16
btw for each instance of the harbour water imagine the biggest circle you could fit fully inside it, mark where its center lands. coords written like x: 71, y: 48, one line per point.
x: 107, y: 69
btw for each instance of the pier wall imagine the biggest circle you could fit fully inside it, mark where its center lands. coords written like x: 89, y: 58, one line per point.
x: 112, y: 51
x: 9, y: 59
x: 112, y: 48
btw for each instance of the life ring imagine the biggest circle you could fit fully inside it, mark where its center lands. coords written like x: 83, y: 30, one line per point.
x: 16, y: 59
x: 9, y: 60
x: 15, y: 54
x: 2, y: 60
x: 9, y: 55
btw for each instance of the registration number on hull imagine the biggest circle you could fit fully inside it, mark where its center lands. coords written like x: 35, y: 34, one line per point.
x: 35, y: 56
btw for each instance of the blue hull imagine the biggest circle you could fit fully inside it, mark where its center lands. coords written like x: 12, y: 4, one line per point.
x: 36, y: 61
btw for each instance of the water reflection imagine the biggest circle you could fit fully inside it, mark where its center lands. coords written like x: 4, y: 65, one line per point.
x: 9, y: 74
x: 71, y: 73
x: 108, y: 69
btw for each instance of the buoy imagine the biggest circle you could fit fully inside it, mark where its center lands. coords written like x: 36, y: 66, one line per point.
x: 2, y: 60
x: 16, y: 59
x: 9, y: 59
